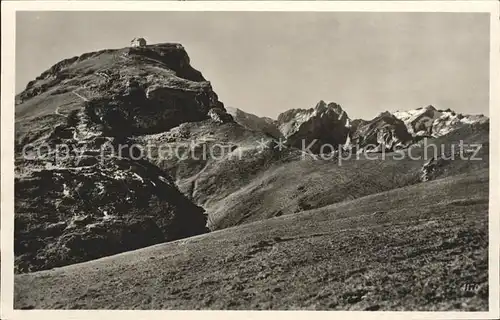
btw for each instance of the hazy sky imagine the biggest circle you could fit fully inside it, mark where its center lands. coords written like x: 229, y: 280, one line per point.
x: 269, y: 62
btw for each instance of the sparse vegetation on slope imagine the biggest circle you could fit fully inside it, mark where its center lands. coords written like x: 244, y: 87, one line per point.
x: 422, y: 247
x: 263, y: 183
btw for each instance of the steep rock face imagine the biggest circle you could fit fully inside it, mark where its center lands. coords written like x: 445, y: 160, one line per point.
x: 220, y: 115
x: 419, y: 121
x: 325, y: 123
x: 74, y: 211
x: 255, y: 123
x: 80, y: 194
x: 384, y: 132
x: 429, y: 121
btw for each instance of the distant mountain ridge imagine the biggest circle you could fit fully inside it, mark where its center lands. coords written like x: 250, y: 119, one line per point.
x: 254, y: 122
x: 330, y: 123
x: 428, y: 121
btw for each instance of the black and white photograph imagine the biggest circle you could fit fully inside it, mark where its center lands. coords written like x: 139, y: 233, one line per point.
x: 196, y: 158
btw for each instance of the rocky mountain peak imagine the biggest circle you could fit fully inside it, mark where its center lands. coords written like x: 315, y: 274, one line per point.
x: 385, y: 131
x: 134, y: 90
x: 323, y: 108
x: 327, y: 123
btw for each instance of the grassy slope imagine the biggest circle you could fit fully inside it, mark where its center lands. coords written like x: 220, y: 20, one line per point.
x: 266, y: 184
x: 38, y: 115
x: 300, y: 185
x: 410, y: 248
x: 307, y: 184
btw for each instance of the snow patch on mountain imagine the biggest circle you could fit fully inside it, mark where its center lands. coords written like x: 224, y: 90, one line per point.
x: 429, y: 121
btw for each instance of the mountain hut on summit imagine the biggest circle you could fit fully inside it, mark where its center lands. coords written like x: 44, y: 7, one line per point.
x: 138, y: 42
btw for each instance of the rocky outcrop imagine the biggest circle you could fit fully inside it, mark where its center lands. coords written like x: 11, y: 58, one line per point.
x: 220, y: 115
x: 328, y: 124
x: 87, y: 201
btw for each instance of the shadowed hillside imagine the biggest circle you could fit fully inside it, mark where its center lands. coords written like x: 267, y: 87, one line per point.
x: 413, y: 248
